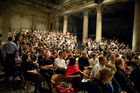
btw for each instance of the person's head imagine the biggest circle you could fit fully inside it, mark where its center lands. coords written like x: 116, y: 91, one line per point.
x: 119, y: 62
x: 72, y: 62
x: 112, y: 58
x: 105, y: 75
x: 61, y: 54
x: 102, y: 60
x: 124, y: 58
x: 33, y: 52
x: 70, y: 56
x: 10, y: 38
x: 54, y: 54
x: 84, y: 54
x: 111, y: 66
x: 94, y: 55
x: 91, y: 53
x: 26, y: 58
x: 46, y: 56
x: 75, y: 52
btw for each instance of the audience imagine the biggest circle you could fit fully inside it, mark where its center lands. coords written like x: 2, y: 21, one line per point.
x: 57, y: 53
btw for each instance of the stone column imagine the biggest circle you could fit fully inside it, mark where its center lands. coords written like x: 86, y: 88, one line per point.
x: 57, y: 24
x: 85, y: 25
x: 136, y: 28
x: 65, y: 24
x: 99, y: 24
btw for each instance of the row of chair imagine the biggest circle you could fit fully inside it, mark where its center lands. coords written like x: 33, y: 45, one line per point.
x: 55, y: 80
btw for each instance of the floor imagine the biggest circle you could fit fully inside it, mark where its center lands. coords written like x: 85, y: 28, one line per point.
x: 14, y: 85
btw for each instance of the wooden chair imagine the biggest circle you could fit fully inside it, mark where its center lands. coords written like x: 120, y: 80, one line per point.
x: 87, y: 72
x: 57, y: 78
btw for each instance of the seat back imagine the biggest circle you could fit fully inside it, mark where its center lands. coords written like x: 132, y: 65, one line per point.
x: 87, y: 72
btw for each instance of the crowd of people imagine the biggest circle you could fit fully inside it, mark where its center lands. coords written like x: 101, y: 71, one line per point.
x: 112, y: 65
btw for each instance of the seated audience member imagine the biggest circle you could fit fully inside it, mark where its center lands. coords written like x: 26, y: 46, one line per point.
x: 112, y: 59
x: 74, y: 72
x: 122, y: 78
x: 126, y: 68
x: 59, y: 64
x: 73, y: 69
x: 34, y: 58
x: 114, y: 83
x: 30, y: 73
x: 101, y: 64
x: 83, y: 61
x: 93, y: 61
x: 68, y: 59
x: 17, y: 65
x: 53, y: 57
x: 135, y: 77
x: 46, y: 68
x: 17, y: 58
x: 100, y: 83
x: 76, y: 54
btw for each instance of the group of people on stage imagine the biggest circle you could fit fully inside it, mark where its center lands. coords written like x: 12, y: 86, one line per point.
x: 112, y: 65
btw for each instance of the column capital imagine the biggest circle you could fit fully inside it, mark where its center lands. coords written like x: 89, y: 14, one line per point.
x: 66, y: 16
x: 85, y: 12
x: 99, y: 8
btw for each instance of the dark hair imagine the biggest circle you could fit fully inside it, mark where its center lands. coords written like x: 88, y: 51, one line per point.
x: 10, y: 38
x: 24, y: 58
x: 118, y: 62
x: 124, y: 57
x: 60, y: 52
x: 72, y: 62
x: 93, y: 55
x: 101, y: 58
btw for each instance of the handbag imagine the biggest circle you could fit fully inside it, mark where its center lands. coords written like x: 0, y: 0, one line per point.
x: 64, y: 87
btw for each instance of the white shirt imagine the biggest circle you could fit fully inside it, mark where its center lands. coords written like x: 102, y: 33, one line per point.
x: 93, y: 62
x: 96, y: 69
x: 59, y: 63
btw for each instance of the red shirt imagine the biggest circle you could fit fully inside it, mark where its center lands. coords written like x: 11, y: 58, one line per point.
x: 71, y: 70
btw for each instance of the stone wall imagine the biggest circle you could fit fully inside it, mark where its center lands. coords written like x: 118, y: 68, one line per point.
x: 14, y: 17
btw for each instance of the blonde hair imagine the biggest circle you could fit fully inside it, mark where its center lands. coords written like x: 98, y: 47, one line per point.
x: 105, y: 74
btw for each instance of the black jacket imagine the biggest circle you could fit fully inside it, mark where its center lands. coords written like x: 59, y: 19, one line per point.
x: 124, y: 81
x: 96, y: 86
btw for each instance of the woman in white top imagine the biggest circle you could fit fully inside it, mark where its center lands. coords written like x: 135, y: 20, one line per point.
x: 94, y: 60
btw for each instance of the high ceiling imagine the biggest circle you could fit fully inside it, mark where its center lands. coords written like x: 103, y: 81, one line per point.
x: 65, y: 6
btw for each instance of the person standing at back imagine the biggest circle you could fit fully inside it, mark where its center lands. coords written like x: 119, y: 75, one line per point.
x: 9, y: 50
